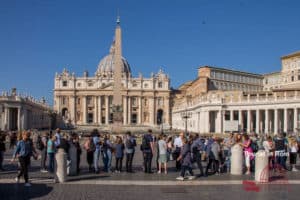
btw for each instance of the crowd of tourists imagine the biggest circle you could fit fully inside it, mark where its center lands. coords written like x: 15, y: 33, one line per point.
x: 188, y: 152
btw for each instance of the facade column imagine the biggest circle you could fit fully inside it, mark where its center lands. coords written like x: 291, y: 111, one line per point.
x: 106, y: 109
x: 95, y: 115
x: 19, y: 119
x: 84, y: 110
x: 285, y: 121
x: 275, y: 121
x: 129, y: 110
x: 99, y: 110
x: 167, y: 114
x: 125, y: 114
x: 241, y: 127
x: 219, y: 122
x: 257, y: 121
x: 151, y: 110
x: 72, y: 110
x: 140, y: 111
x: 231, y: 115
x: 266, y: 121
x: 295, y: 120
x: 248, y: 121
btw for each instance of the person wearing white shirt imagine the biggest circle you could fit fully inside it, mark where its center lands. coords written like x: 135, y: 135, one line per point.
x: 178, y: 145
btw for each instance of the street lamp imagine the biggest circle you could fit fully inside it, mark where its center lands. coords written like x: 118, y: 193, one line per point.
x: 186, y: 115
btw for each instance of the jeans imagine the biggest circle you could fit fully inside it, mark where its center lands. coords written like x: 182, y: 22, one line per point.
x: 24, y: 163
x: 43, y: 158
x: 186, y: 168
x: 107, y: 156
x: 119, y: 164
x: 96, y: 159
x: 199, y: 161
x: 215, y: 166
x: 129, y: 159
x: 227, y: 154
x: 51, y: 162
x: 147, y: 161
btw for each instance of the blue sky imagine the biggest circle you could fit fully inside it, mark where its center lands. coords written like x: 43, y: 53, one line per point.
x: 39, y: 37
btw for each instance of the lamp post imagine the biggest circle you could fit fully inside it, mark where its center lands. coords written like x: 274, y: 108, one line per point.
x: 186, y: 115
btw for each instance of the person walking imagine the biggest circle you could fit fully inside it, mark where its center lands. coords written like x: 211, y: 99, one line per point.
x: 23, y: 152
x: 42, y: 146
x: 214, y: 156
x: 162, y: 152
x: 197, y: 147
x: 119, y: 154
x: 186, y: 161
x: 130, y: 144
x: 147, y: 148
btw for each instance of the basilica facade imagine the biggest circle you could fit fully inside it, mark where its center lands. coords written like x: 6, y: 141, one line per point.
x: 223, y: 100
x: 88, y: 100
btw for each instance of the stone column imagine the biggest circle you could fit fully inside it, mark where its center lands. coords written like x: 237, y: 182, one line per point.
x: 106, y: 109
x: 140, y: 111
x: 231, y: 115
x: 84, y: 118
x: 285, y: 119
x: 125, y: 114
x: 167, y: 106
x: 295, y: 119
x: 19, y: 119
x: 6, y: 120
x: 129, y: 110
x: 248, y: 121
x: 99, y: 110
x: 257, y: 121
x: 275, y: 121
x: 266, y: 121
x: 241, y: 127
x: 95, y: 110
x: 151, y: 110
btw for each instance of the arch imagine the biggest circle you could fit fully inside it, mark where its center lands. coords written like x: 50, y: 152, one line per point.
x: 159, y: 117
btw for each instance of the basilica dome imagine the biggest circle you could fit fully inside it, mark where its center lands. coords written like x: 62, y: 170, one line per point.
x: 106, y: 66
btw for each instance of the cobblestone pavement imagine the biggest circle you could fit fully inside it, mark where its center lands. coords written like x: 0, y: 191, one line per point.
x: 141, y: 186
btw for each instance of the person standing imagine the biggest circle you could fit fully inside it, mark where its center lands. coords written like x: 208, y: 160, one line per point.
x: 23, y: 152
x: 293, y: 148
x: 162, y: 152
x: 130, y: 145
x: 90, y: 148
x: 51, y: 152
x: 2, y: 150
x: 185, y: 158
x: 147, y: 148
x: 178, y: 145
x: 248, y: 152
x: 107, y: 153
x: 58, y: 138
x: 96, y: 141
x: 42, y: 146
x: 214, y: 157
x: 119, y: 153
x: 280, y: 150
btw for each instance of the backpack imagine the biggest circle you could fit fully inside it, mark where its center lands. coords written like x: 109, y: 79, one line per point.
x: 145, y: 144
x: 254, y: 146
x: 91, y: 146
x: 130, y: 143
x: 39, y: 143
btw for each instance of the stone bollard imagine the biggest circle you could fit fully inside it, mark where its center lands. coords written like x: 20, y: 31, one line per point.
x: 72, y: 165
x: 61, y: 165
x: 237, y: 160
x: 262, y: 166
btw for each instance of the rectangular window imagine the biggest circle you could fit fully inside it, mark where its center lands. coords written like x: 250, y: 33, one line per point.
x: 65, y: 83
x: 292, y: 78
x: 160, y: 84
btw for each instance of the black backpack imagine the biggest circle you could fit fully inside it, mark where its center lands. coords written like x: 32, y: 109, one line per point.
x: 145, y: 144
x: 92, y: 146
x: 254, y: 146
x: 39, y: 143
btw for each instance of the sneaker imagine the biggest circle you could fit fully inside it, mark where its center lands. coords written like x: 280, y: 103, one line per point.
x: 180, y: 178
x: 295, y: 170
x: 166, y: 172
x: 44, y: 171
x: 158, y: 172
x: 191, y: 177
x: 27, y: 184
x: 17, y: 179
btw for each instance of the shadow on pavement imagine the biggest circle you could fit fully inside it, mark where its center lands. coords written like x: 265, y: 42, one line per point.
x: 12, y: 191
x: 95, y: 177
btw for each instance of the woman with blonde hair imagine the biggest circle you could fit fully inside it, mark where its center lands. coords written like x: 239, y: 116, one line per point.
x: 293, y: 149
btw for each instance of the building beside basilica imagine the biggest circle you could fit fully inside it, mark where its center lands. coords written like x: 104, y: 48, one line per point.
x: 88, y: 100
x: 19, y: 112
x: 222, y: 100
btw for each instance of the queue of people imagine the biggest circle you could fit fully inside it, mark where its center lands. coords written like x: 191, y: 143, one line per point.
x: 188, y: 151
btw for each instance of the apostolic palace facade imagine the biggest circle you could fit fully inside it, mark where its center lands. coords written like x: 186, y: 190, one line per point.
x: 222, y: 100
